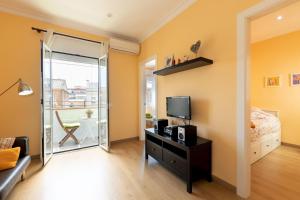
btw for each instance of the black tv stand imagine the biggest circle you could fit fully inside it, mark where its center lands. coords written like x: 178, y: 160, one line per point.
x: 189, y: 162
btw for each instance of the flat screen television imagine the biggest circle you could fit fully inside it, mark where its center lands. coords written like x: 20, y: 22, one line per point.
x: 179, y: 107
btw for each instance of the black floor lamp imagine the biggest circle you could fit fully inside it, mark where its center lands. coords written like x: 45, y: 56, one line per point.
x: 23, y: 88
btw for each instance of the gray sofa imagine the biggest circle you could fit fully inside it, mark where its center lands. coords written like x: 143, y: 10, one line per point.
x: 10, y: 177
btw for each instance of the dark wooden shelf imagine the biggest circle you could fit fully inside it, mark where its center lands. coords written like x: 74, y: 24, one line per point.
x: 191, y: 64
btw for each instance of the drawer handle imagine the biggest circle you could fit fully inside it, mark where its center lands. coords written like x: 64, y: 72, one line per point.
x: 255, y: 152
x: 268, y: 145
x: 172, y: 161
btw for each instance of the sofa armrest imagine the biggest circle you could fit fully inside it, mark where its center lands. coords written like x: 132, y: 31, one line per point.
x: 22, y: 142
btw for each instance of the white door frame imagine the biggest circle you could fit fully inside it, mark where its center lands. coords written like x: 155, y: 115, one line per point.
x: 243, y: 91
x: 142, y: 123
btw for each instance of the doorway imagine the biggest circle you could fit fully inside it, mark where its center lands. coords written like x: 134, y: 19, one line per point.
x: 148, y: 93
x: 74, y: 102
x: 274, y: 103
x: 243, y: 90
x: 75, y: 88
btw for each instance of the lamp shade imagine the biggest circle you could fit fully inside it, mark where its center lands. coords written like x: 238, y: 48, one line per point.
x: 24, y: 89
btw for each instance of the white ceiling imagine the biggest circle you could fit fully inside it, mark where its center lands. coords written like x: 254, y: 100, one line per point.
x: 130, y: 19
x: 268, y: 26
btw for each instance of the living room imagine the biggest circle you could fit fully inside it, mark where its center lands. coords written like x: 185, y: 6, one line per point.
x: 97, y: 73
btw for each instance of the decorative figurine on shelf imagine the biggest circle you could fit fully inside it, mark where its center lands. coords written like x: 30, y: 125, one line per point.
x: 178, y: 61
x: 185, y: 58
x: 173, y: 60
x: 168, y: 61
x: 195, y: 47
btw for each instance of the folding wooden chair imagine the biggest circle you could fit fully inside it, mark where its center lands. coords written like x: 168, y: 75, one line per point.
x: 69, y: 129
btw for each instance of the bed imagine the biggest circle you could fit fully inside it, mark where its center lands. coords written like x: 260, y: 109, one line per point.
x: 265, y: 133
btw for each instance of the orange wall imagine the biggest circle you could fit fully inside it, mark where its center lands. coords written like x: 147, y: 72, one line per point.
x: 212, y: 88
x: 278, y: 56
x: 124, y: 95
x: 20, y: 57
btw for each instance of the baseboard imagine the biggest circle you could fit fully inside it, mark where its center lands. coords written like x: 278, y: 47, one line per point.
x: 35, y: 157
x: 224, y: 183
x: 124, y: 140
x: 290, y: 145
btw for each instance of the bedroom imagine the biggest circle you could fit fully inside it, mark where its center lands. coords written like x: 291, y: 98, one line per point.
x: 275, y: 95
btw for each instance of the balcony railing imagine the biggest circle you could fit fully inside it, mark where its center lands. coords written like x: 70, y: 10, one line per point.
x: 76, y: 104
x: 91, y: 124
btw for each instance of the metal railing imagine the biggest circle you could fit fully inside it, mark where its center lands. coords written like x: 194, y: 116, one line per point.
x: 71, y: 105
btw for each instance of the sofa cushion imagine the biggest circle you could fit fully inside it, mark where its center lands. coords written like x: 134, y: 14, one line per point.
x: 9, y: 177
x: 22, y: 142
x: 6, y: 143
x: 9, y: 158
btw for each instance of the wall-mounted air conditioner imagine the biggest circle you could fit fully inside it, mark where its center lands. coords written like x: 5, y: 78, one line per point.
x: 123, y: 45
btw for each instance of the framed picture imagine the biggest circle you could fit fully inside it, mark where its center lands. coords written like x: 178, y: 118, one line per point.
x: 295, y: 79
x: 273, y: 81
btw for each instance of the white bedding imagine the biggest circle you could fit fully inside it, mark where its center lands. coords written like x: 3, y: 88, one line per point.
x: 265, y: 123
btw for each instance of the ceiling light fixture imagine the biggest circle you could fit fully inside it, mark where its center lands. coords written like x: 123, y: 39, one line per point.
x: 280, y: 17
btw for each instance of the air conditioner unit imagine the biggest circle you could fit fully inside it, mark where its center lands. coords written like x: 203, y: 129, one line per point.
x: 123, y: 45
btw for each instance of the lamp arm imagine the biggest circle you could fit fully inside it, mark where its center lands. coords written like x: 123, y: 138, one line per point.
x: 10, y: 87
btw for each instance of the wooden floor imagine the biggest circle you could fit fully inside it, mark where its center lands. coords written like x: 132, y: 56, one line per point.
x: 120, y: 175
x: 277, y: 176
x: 124, y: 174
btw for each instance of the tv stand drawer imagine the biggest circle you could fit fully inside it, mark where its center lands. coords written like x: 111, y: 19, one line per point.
x: 154, y: 150
x: 175, y: 162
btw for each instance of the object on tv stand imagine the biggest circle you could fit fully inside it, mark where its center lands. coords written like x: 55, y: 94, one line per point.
x: 171, y: 131
x: 187, y: 134
x: 179, y: 107
x: 160, y: 124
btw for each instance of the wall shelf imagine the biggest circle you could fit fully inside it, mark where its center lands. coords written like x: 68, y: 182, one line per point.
x: 191, y: 64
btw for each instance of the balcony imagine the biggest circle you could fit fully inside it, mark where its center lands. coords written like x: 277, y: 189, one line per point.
x: 87, y: 118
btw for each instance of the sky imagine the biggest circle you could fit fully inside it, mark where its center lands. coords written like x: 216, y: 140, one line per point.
x: 77, y: 74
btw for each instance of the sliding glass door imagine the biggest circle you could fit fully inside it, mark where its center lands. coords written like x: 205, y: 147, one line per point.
x: 46, y: 105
